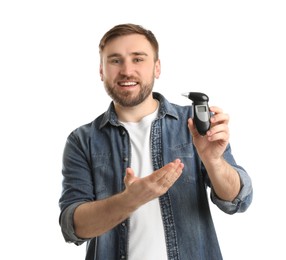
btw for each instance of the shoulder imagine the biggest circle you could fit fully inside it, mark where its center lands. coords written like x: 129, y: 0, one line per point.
x: 171, y: 109
x: 86, y: 130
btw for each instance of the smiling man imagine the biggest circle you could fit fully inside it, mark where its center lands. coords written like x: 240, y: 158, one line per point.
x: 135, y: 179
x: 128, y: 69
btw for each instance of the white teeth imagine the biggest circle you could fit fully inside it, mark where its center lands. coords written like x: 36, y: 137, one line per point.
x: 127, y: 83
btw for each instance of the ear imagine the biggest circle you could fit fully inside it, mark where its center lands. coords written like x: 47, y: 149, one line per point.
x: 101, y: 71
x: 157, y: 68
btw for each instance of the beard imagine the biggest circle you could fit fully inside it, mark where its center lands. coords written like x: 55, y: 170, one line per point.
x: 127, y: 98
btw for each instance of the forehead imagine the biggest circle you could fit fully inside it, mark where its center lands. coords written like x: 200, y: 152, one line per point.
x: 128, y: 44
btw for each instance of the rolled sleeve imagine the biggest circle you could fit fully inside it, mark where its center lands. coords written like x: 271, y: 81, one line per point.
x: 243, y: 199
x: 67, y: 225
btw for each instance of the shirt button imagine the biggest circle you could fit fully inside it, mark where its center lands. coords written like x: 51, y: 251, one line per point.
x: 122, y: 257
x: 125, y: 159
x: 123, y: 132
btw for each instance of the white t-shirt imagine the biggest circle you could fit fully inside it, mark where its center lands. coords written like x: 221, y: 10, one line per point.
x: 146, y: 235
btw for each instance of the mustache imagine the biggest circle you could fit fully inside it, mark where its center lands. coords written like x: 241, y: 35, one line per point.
x: 129, y: 78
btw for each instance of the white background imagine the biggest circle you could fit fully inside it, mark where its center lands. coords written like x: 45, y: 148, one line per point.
x: 232, y: 50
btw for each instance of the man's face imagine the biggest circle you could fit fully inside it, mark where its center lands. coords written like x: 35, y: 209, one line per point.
x: 128, y: 69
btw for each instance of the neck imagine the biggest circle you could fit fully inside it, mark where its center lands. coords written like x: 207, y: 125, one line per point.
x: 136, y: 113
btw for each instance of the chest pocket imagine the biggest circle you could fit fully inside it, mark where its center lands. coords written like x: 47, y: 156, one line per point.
x: 185, y: 152
x: 102, y: 174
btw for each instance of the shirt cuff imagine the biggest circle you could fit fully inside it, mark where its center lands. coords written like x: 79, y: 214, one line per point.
x: 243, y: 199
x: 67, y: 225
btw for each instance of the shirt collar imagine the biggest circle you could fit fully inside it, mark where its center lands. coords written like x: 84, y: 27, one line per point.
x: 165, y: 108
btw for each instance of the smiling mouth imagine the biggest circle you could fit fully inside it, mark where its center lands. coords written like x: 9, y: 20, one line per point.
x: 127, y: 83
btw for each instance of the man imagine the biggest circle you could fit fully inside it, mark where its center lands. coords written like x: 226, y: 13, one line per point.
x: 135, y: 178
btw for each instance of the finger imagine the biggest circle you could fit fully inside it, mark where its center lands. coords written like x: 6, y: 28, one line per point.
x: 171, y: 176
x: 216, y: 110
x: 191, y: 124
x: 220, y: 118
x: 159, y: 174
x: 192, y: 127
x: 218, y: 132
x: 129, y: 177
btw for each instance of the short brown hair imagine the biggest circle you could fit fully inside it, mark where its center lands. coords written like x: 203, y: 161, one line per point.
x: 127, y: 29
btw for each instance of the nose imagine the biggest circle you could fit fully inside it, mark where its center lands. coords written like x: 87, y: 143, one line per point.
x: 126, y: 69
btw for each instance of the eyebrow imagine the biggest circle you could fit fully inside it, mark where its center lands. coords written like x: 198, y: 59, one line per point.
x: 140, y: 53
x: 135, y: 53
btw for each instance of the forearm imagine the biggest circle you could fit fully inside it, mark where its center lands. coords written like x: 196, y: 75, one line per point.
x: 224, y: 178
x: 94, y: 218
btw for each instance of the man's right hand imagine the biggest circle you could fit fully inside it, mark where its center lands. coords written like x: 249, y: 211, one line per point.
x: 94, y: 218
x: 142, y: 190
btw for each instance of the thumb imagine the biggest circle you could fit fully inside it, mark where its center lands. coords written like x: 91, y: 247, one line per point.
x: 191, y: 126
x: 129, y: 177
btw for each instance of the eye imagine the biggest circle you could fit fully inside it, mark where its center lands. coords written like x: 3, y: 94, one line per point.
x: 115, y: 61
x: 137, y: 60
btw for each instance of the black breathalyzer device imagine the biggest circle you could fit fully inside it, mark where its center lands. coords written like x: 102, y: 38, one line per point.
x: 201, y: 112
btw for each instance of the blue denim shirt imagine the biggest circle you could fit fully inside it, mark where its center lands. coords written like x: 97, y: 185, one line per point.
x: 95, y: 158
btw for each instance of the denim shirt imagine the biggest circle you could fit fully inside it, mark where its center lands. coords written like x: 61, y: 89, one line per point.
x: 95, y: 159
